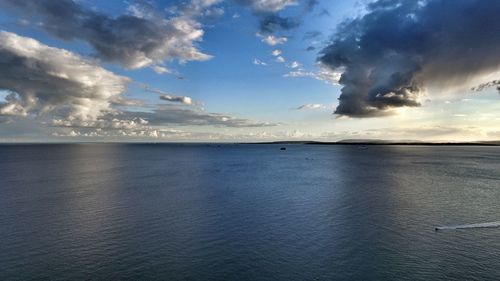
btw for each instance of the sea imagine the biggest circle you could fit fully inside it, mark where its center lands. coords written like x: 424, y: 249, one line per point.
x: 249, y: 212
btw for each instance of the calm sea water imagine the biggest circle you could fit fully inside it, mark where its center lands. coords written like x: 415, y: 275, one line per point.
x: 247, y: 212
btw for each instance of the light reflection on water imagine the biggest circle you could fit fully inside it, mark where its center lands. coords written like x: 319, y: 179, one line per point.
x: 203, y: 212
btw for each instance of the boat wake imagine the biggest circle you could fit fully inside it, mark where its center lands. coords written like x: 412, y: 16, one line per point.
x: 468, y: 226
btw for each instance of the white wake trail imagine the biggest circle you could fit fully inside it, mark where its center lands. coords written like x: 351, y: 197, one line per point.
x: 472, y: 225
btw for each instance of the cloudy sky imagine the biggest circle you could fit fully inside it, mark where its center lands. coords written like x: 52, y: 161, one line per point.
x: 249, y: 70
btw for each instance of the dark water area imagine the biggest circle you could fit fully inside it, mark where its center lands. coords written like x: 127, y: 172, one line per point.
x: 247, y: 212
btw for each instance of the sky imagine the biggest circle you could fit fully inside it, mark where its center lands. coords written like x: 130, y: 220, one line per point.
x: 249, y: 70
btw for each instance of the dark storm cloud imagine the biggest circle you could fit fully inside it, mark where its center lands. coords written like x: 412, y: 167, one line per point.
x: 398, y: 47
x: 135, y: 40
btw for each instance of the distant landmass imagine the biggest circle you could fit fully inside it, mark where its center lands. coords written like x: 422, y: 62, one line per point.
x: 386, y: 142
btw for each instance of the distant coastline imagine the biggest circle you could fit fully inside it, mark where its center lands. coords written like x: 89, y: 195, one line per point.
x: 385, y: 142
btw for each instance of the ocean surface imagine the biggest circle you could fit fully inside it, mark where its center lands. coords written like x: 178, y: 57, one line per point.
x: 248, y: 212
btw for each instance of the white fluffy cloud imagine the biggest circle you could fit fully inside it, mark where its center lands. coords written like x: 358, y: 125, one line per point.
x: 179, y: 99
x: 313, y: 106
x: 280, y: 59
x: 272, y: 40
x: 183, y: 116
x: 76, y: 97
x: 294, y: 64
x: 107, y: 122
x: 170, y: 97
x: 323, y: 74
x: 44, y: 79
x: 160, y: 69
x: 259, y: 62
x: 141, y: 38
x: 268, y: 5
